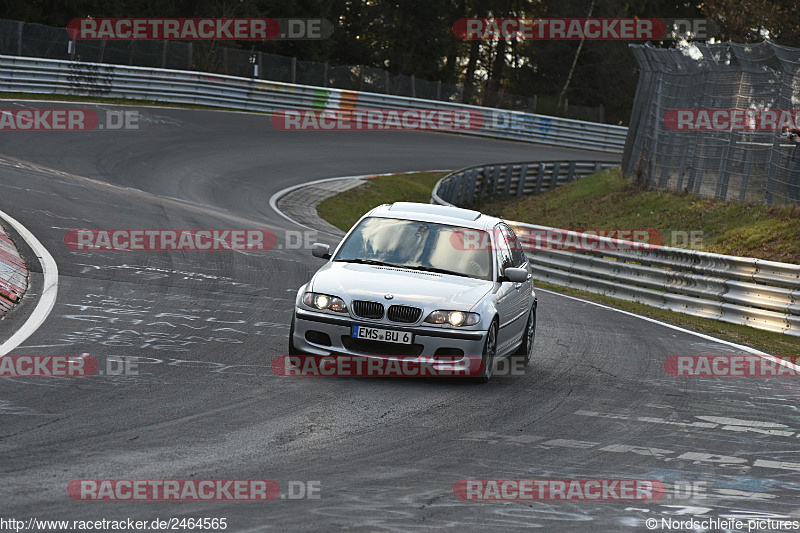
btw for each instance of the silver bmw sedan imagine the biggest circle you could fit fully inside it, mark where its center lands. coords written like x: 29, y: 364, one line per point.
x: 417, y: 281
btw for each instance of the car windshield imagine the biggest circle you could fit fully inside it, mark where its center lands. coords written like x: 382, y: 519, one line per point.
x: 419, y: 246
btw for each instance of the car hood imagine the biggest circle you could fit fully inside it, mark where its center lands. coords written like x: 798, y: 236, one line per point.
x: 353, y: 281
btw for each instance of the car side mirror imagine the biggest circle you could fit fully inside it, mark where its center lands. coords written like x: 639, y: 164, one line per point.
x: 323, y: 251
x: 515, y: 275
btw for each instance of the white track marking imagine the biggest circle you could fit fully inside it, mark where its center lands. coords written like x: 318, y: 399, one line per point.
x: 273, y: 200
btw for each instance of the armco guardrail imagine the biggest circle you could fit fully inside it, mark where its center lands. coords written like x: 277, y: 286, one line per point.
x: 511, y: 179
x: 34, y: 75
x: 737, y: 290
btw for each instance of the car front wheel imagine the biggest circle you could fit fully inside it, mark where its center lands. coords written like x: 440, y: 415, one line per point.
x: 489, y: 351
x: 525, y: 350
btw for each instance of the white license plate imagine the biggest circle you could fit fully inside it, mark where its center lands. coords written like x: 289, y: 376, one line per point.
x: 382, y: 335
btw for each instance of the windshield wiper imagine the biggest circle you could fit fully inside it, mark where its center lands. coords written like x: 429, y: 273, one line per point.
x: 437, y: 270
x: 369, y: 262
x: 409, y: 267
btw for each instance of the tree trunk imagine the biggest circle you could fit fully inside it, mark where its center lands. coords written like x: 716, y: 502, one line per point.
x: 574, y: 61
x: 469, y: 78
x: 496, y: 75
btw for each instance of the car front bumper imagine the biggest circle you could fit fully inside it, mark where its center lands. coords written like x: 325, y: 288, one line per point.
x: 326, y: 334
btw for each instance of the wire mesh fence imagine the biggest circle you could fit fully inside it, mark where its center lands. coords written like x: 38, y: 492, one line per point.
x: 713, y: 119
x: 37, y: 40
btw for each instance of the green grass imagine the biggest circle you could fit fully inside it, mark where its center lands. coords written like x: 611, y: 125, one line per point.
x: 344, y: 209
x: 606, y: 201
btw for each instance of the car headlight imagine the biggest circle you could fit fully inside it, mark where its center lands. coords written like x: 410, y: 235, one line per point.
x: 324, y: 301
x: 454, y: 318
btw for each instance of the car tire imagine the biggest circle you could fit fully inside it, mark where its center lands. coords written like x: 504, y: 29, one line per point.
x: 292, y: 349
x: 525, y: 349
x: 488, y: 355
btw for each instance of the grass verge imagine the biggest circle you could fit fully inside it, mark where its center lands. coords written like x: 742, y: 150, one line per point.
x: 605, y: 201
x: 344, y: 209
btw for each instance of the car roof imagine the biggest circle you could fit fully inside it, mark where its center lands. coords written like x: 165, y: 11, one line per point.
x: 443, y: 214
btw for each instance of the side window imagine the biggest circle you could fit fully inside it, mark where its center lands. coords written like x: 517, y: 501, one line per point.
x: 517, y: 253
x: 504, y: 258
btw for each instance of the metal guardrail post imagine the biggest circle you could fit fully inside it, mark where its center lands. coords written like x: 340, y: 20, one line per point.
x: 540, y: 179
x: 522, y: 175
x: 456, y: 199
x: 495, y: 180
x: 554, y: 176
x: 571, y: 173
x: 485, y: 183
x: 507, y: 182
x: 471, y: 186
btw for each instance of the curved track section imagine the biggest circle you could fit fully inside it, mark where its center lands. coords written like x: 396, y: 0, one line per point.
x: 204, y: 326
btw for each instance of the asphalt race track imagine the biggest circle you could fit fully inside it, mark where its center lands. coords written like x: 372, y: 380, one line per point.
x: 385, y: 453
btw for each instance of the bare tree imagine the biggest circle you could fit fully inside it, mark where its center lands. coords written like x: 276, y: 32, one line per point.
x: 574, y: 61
